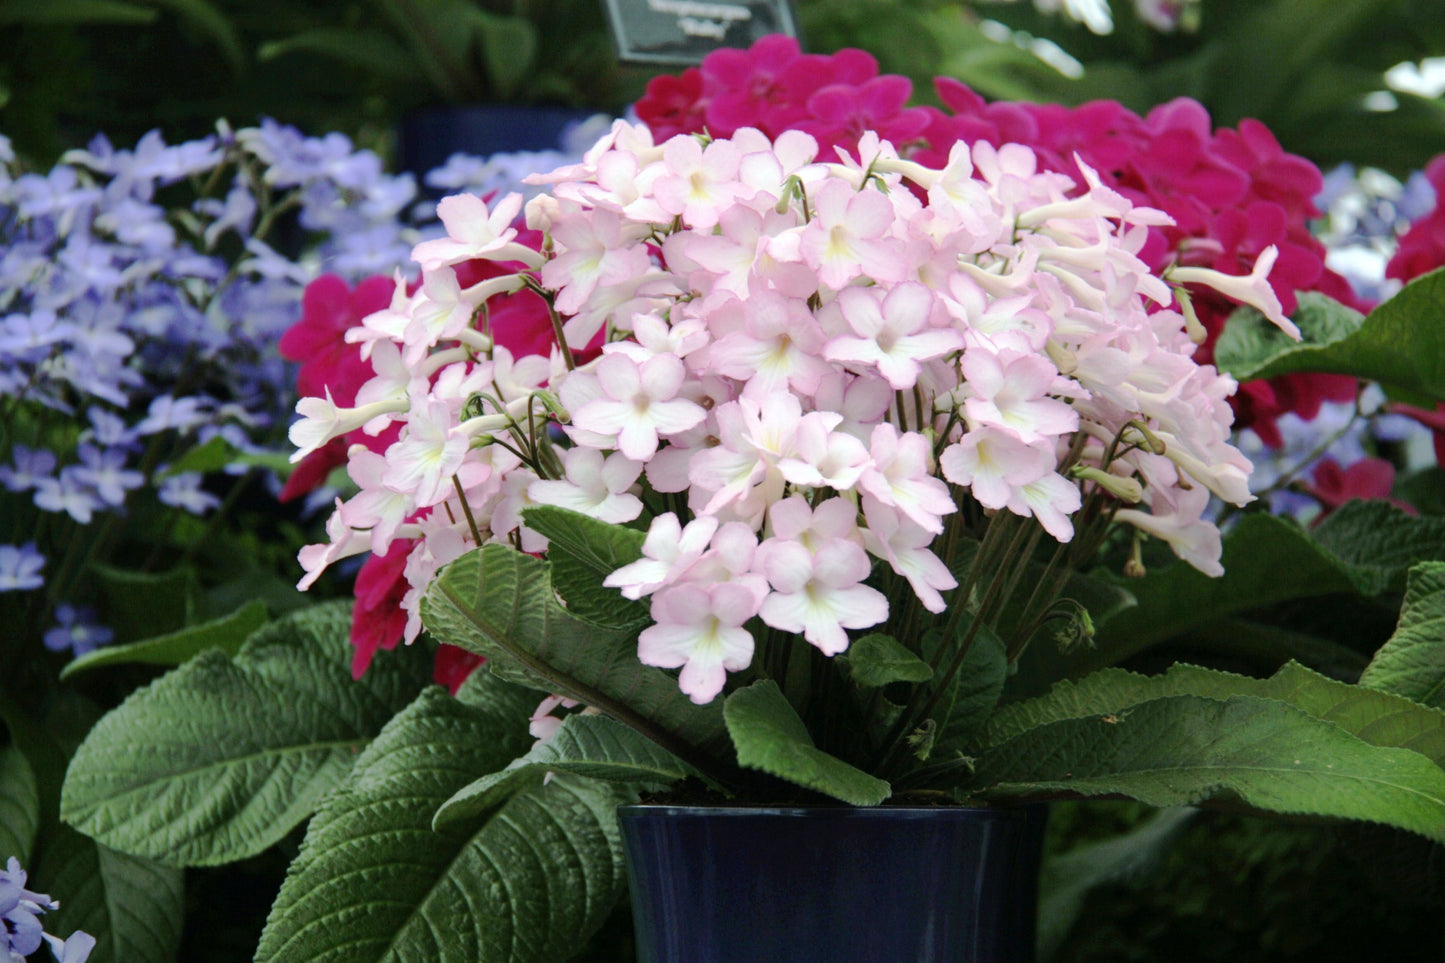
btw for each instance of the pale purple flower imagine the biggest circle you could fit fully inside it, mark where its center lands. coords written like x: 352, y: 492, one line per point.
x: 103, y: 469
x: 184, y: 491
x: 21, y: 932
x: 71, y: 494
x: 20, y: 568
x: 28, y: 468
x: 76, y: 630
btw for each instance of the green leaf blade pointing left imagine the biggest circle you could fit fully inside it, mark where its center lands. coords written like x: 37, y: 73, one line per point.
x: 1182, y: 750
x: 374, y: 882
x: 220, y: 758
x: 770, y: 737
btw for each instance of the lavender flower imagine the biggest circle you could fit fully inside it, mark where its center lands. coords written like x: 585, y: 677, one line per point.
x: 76, y: 630
x: 21, y: 931
x: 20, y: 567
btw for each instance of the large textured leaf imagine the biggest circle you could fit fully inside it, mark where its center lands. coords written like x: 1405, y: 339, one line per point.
x: 499, y: 603
x: 593, y: 746
x: 1377, y: 543
x: 19, y: 805
x: 1379, y: 718
x: 373, y: 882
x: 220, y: 758
x: 1182, y: 750
x: 1400, y: 343
x: 769, y: 736
x: 134, y: 907
x: 582, y: 552
x: 1412, y: 663
x: 226, y: 633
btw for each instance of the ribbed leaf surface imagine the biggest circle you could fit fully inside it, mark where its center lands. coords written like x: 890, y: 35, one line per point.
x: 220, y: 758
x: 1412, y: 663
x: 593, y: 746
x: 528, y: 882
x: 499, y: 603
x: 1379, y: 718
x: 1181, y: 750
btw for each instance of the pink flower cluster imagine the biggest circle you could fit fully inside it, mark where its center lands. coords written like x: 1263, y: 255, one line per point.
x: 808, y: 370
x: 1230, y: 193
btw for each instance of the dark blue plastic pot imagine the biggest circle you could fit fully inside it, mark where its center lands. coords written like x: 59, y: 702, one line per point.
x: 833, y: 885
x: 428, y: 137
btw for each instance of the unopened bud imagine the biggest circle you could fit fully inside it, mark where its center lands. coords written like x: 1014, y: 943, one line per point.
x: 1125, y: 489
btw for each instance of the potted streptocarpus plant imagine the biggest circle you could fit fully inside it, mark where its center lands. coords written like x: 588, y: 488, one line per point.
x: 834, y: 440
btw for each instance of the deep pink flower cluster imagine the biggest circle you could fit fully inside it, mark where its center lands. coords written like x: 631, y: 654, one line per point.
x: 1231, y: 192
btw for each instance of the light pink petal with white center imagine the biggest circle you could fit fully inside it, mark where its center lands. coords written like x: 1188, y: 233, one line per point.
x: 991, y: 462
x: 1052, y: 500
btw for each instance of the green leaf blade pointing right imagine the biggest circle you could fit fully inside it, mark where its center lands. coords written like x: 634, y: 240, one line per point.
x: 1182, y: 750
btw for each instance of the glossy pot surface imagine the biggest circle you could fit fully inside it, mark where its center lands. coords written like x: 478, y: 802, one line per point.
x: 835, y: 884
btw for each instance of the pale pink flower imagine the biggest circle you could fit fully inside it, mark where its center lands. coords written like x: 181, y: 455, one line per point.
x: 667, y: 552
x: 901, y: 476
x: 594, y: 485
x: 697, y: 183
x: 824, y: 457
x: 475, y: 232
x: 1252, y: 289
x: 851, y: 229
x: 700, y: 629
x: 424, y: 459
x: 992, y: 462
x: 343, y: 542
x: 638, y: 403
x: 820, y: 595
x: 894, y: 538
x: 891, y: 333
x: 1009, y: 390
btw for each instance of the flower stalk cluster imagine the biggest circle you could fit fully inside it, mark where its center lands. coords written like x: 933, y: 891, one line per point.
x: 794, y: 374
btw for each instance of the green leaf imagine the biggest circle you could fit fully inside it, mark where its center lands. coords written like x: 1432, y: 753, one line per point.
x: 226, y: 633
x: 1378, y: 718
x: 877, y: 660
x: 19, y: 806
x: 132, y: 906
x: 582, y: 552
x: 1182, y: 750
x: 1377, y: 543
x: 211, y: 20
x: 499, y: 603
x: 593, y: 746
x: 769, y: 736
x: 509, y: 50
x: 373, y: 51
x: 142, y: 605
x: 220, y: 758
x: 1364, y: 547
x: 1412, y: 663
x: 72, y: 12
x: 1068, y: 878
x: 529, y: 883
x: 213, y: 455
x: 1400, y: 343
x: 971, y: 697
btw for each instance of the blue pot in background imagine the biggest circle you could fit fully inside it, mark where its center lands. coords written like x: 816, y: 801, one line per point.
x: 428, y: 137
x: 833, y: 884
